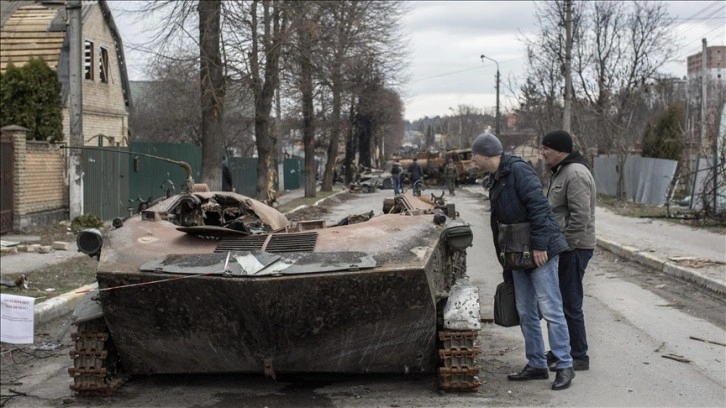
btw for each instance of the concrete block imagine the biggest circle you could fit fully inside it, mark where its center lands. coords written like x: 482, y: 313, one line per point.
x: 649, y: 260
x: 9, y: 250
x: 61, y: 246
x: 22, y: 248
x: 34, y: 248
x: 44, y: 249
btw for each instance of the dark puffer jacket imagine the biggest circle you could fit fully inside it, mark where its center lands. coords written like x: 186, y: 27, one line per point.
x: 516, y: 196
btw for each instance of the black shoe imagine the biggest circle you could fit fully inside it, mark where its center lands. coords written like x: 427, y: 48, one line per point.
x: 578, y: 364
x: 563, y: 378
x: 529, y: 373
x: 551, y: 359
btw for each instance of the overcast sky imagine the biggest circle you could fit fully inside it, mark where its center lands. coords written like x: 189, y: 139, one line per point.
x: 447, y: 39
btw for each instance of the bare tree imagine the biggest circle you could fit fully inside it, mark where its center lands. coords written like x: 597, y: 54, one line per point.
x: 212, y: 84
x: 304, y: 21
x: 173, y: 35
x: 618, y: 49
x: 255, y: 36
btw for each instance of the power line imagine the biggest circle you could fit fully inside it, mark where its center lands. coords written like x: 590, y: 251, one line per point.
x: 715, y: 3
x: 696, y: 24
x: 697, y: 50
x: 696, y: 21
x: 464, y: 70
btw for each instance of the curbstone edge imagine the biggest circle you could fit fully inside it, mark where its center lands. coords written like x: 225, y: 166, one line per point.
x: 61, y: 304
x: 667, y: 267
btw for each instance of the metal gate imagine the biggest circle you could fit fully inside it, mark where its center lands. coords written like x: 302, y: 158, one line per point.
x: 105, y: 183
x: 7, y: 182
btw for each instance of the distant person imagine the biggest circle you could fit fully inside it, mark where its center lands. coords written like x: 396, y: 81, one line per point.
x: 572, y: 196
x: 396, y: 177
x: 354, y: 169
x: 451, y: 173
x: 227, y: 184
x: 517, y: 199
x: 415, y: 171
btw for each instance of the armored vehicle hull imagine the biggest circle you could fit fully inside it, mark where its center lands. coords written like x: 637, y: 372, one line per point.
x: 220, y: 283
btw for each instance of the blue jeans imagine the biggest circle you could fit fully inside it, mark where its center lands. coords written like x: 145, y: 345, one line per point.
x: 540, y: 287
x: 396, y: 179
x: 571, y: 271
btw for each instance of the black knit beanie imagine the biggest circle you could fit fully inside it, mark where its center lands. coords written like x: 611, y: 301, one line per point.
x: 558, y: 140
x: 486, y: 144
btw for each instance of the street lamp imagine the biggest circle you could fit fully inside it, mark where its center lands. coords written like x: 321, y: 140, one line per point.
x: 497, y: 117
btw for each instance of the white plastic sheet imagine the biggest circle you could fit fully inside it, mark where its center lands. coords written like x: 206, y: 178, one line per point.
x: 17, y: 322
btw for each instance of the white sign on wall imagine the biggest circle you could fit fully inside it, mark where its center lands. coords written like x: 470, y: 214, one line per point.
x: 17, y: 323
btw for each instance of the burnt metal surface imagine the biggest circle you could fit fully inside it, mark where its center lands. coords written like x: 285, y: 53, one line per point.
x: 181, y: 294
x: 369, y: 321
x: 276, y: 243
x: 260, y: 263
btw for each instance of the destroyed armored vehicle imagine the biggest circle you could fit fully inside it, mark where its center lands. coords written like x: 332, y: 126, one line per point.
x: 216, y: 282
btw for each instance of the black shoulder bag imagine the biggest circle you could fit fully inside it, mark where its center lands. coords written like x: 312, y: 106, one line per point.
x: 515, y: 250
x: 505, y: 305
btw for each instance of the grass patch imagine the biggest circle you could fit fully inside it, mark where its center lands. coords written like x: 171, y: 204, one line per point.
x: 54, y: 280
x: 291, y: 205
x: 629, y: 208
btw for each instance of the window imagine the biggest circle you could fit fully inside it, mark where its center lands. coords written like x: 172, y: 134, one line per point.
x: 88, y: 60
x: 103, y: 65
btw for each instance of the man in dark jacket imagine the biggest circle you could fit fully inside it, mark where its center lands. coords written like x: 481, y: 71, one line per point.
x: 396, y: 177
x: 572, y: 196
x: 415, y: 170
x: 227, y: 184
x: 516, y: 197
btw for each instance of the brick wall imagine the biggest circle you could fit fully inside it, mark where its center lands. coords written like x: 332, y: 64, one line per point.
x: 45, y: 175
x: 41, y: 193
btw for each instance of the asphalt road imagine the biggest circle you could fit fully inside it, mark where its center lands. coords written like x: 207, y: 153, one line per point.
x: 634, y: 317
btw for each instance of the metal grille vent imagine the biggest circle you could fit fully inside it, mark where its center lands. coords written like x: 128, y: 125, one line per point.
x: 300, y: 242
x: 248, y: 243
x: 278, y: 243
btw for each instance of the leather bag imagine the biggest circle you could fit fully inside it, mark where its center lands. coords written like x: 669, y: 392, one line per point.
x: 505, y: 305
x: 515, y: 250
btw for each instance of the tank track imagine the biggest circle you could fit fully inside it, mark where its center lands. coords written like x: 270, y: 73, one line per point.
x: 96, y: 367
x: 458, y: 351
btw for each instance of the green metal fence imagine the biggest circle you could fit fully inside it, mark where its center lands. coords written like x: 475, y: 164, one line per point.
x: 293, y: 173
x: 111, y: 178
x: 152, y: 177
x: 105, y: 182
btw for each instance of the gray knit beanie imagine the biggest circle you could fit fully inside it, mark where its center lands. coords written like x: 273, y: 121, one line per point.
x: 486, y: 144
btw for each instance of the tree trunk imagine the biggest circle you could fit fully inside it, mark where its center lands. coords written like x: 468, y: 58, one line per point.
x: 212, y: 93
x: 264, y: 91
x: 334, y: 137
x: 350, y: 145
x: 306, y: 88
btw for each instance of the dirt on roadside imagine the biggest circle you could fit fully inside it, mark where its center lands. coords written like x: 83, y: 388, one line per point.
x: 56, y: 279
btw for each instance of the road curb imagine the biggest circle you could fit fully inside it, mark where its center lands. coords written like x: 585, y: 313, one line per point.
x: 61, y: 304
x: 669, y: 268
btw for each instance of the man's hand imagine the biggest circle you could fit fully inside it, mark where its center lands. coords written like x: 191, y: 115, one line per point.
x: 540, y: 257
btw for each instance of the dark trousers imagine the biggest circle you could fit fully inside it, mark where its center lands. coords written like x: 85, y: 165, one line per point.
x: 571, y: 271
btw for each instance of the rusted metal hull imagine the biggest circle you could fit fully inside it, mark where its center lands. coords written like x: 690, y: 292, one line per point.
x: 373, y: 321
x: 359, y: 298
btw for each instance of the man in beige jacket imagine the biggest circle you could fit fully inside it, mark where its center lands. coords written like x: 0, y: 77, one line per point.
x: 571, y: 194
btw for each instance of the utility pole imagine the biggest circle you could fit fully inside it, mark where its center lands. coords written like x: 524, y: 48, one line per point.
x: 704, y: 94
x: 75, y: 168
x: 567, y: 112
x: 496, y: 125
